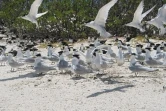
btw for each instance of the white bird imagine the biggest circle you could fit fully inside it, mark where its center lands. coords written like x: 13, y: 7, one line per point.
x: 33, y: 13
x: 62, y: 64
x: 82, y: 48
x: 49, y: 50
x: 19, y: 54
x: 3, y: 57
x: 136, y: 67
x: 78, y: 68
x: 12, y: 63
x: 97, y: 62
x: 159, y: 54
x: 128, y: 54
x: 150, y: 61
x: 40, y: 67
x: 100, y: 20
x: 88, y: 55
x: 138, y: 17
x: 161, y: 13
x: 122, y: 45
x: 139, y: 49
x: 27, y: 53
x: 159, y: 20
x: 110, y: 52
x: 120, y: 59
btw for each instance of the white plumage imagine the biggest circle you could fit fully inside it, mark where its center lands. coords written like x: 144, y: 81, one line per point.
x: 100, y: 20
x: 138, y: 17
x: 33, y: 13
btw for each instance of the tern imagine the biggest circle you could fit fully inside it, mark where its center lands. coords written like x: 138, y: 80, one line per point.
x: 136, y: 67
x: 159, y: 20
x: 62, y: 64
x: 40, y: 67
x: 100, y: 20
x: 138, y: 17
x: 3, y: 57
x: 13, y: 63
x: 150, y: 61
x: 77, y: 68
x: 33, y: 13
x: 120, y: 58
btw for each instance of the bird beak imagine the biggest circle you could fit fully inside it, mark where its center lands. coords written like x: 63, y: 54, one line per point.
x: 124, y: 24
x: 85, y: 24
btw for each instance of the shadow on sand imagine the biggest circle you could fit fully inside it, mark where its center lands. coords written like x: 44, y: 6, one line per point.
x: 78, y: 78
x: 29, y: 75
x: 120, y: 89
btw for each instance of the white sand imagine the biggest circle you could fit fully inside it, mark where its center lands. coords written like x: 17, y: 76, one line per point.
x: 116, y: 91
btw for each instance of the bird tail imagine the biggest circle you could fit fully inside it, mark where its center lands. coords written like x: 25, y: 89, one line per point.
x: 107, y: 35
x: 152, y: 70
x: 147, y: 12
x: 37, y: 25
x: 52, y: 68
x: 41, y: 14
x: 162, y: 31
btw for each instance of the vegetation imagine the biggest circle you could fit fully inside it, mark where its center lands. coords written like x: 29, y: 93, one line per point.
x: 66, y: 18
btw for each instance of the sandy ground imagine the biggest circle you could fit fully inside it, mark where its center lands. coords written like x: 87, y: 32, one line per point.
x: 119, y: 90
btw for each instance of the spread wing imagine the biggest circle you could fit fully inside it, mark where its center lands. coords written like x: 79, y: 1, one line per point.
x: 41, y: 14
x: 34, y: 7
x: 103, y: 13
x: 138, y: 12
x: 147, y: 12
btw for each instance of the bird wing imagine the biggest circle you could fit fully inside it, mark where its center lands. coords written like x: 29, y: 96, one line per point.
x: 147, y: 12
x: 98, y: 28
x: 41, y: 14
x: 143, y: 68
x: 138, y: 12
x: 161, y: 14
x: 103, y: 13
x: 46, y: 67
x: 161, y: 11
x: 34, y: 7
x: 156, y: 22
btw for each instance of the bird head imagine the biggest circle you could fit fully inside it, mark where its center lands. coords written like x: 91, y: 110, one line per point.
x: 24, y: 17
x: 133, y: 54
x: 128, y: 24
x: 89, y: 23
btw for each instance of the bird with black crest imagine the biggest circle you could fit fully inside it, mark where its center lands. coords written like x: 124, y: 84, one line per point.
x: 41, y: 67
x: 150, y: 61
x: 136, y: 67
x: 77, y: 68
x: 13, y: 63
x: 62, y: 65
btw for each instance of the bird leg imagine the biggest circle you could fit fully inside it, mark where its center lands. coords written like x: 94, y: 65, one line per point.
x: 40, y: 74
x: 142, y: 63
x: 12, y: 69
x: 77, y: 75
x: 52, y: 63
x: 136, y: 74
